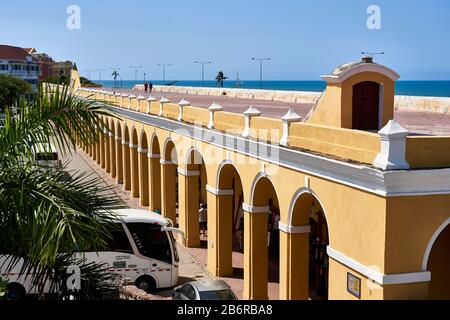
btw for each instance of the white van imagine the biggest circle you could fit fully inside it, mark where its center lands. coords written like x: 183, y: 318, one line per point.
x: 142, y: 251
x: 46, y: 155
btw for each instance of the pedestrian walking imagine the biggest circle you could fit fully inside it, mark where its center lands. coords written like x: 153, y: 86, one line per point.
x: 203, y: 219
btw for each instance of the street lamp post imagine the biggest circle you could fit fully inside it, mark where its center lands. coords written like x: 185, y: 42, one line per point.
x: 145, y: 74
x: 203, y: 70
x: 164, y: 70
x: 89, y: 73
x: 135, y: 72
x: 100, y: 74
x: 261, y: 60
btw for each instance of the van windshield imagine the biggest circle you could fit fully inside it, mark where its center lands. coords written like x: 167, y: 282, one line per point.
x: 46, y: 156
x: 151, y: 241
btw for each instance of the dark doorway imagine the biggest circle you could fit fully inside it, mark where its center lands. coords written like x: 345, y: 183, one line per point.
x: 366, y: 103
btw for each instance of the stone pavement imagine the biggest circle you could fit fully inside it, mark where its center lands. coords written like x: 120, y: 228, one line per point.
x: 428, y: 123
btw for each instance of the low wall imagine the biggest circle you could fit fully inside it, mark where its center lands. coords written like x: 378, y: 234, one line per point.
x: 403, y: 103
x: 269, y: 95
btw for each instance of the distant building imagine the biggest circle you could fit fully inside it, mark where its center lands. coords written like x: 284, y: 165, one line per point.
x: 45, y: 63
x: 20, y: 63
x: 63, y: 68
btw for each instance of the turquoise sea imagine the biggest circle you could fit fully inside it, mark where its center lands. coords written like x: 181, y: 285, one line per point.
x: 408, y: 88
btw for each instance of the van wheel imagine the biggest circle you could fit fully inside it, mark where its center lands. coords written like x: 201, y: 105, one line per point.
x: 146, y: 283
x: 15, y: 292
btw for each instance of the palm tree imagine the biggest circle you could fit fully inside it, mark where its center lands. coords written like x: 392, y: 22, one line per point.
x: 115, y: 75
x: 42, y: 216
x: 220, y: 79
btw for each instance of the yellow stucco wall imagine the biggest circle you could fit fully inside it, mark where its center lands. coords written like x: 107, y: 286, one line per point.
x: 266, y: 129
x: 428, y: 152
x: 346, y: 144
x: 411, y: 223
x: 328, y: 109
x: 227, y: 121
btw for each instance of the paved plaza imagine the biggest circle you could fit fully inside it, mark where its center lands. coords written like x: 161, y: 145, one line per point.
x: 426, y: 123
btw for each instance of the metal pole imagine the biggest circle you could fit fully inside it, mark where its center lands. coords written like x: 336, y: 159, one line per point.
x: 203, y: 74
x: 261, y: 60
x: 260, y: 74
x: 203, y: 70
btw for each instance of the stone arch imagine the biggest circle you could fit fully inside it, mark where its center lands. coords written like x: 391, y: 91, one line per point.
x: 430, y: 245
x: 143, y: 168
x: 169, y: 180
x: 118, y: 129
x: 192, y: 184
x: 155, y: 183
x: 438, y: 263
x: 220, y: 168
x: 169, y: 151
x: 227, y: 231
x: 126, y: 157
x: 155, y: 147
x: 296, y: 196
x: 261, y: 215
x: 143, y: 141
x: 305, y: 275
x: 134, y: 160
x: 259, y: 177
x: 193, y: 157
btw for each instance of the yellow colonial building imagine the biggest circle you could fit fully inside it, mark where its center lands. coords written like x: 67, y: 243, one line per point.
x: 364, y: 207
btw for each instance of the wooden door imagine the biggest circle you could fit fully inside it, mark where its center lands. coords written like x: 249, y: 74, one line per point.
x: 366, y: 103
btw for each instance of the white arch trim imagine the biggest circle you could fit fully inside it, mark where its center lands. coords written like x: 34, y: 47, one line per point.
x: 359, y: 68
x: 219, y: 171
x: 175, y: 161
x: 426, y: 256
x: 294, y: 201
x: 186, y: 158
x: 141, y: 137
x: 133, y: 129
x: 258, y: 177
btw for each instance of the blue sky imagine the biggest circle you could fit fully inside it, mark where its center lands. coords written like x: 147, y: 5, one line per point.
x: 305, y: 39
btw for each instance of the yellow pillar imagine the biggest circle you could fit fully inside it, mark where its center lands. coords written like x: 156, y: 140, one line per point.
x: 112, y: 156
x: 294, y: 262
x: 108, y: 152
x: 134, y: 170
x: 143, y: 176
x: 220, y: 232
x: 154, y: 181
x: 119, y: 161
x: 91, y: 149
x: 98, y: 150
x: 255, y: 253
x: 188, y: 188
x: 94, y: 151
x: 126, y: 165
x: 168, y: 191
x: 102, y: 151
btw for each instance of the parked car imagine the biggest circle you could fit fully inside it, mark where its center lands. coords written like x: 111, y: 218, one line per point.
x: 204, y: 290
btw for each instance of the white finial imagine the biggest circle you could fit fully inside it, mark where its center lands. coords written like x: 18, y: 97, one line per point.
x: 393, y: 147
x: 291, y: 116
x: 252, y: 112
